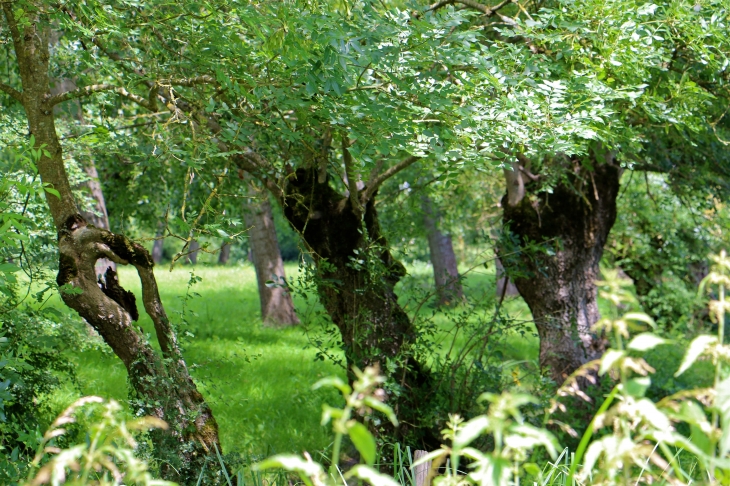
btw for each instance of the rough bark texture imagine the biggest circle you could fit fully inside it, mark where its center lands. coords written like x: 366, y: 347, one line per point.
x: 163, y: 387
x: 443, y: 258
x: 356, y: 277
x: 574, y: 222
x: 277, y: 308
x: 225, y: 254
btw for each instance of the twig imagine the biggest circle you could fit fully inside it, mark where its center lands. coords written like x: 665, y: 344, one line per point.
x: 370, y: 190
x: 17, y: 95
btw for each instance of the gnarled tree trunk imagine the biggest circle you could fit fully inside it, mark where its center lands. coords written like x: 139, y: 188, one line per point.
x: 573, y: 223
x: 356, y: 278
x: 443, y: 258
x: 277, y: 308
x: 162, y: 384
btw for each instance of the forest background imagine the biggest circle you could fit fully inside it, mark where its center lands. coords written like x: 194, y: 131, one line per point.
x: 470, y: 197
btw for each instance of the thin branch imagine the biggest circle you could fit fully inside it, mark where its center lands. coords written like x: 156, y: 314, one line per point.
x: 80, y: 92
x: 370, y: 190
x: 351, y: 181
x: 204, y: 79
x: 488, y: 11
x: 12, y: 92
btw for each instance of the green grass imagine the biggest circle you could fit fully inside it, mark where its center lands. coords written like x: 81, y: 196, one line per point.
x: 258, y: 380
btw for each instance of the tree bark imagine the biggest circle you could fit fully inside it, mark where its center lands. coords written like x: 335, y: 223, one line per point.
x: 573, y: 224
x: 505, y: 285
x: 162, y: 384
x: 356, y: 280
x: 159, y: 244
x: 443, y: 258
x: 193, y: 249
x: 277, y: 308
x: 225, y: 254
x: 99, y: 217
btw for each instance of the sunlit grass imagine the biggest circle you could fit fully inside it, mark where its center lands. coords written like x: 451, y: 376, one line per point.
x: 258, y: 380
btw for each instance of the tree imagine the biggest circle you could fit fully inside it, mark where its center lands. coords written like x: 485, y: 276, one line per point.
x: 443, y: 258
x: 277, y: 308
x: 578, y: 94
x: 162, y: 384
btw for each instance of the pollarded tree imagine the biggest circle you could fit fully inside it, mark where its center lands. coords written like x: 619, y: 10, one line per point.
x: 585, y: 91
x: 161, y: 383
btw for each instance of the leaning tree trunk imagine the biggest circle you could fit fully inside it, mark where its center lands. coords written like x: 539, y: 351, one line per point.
x: 559, y: 286
x: 98, y: 215
x: 356, y: 279
x: 277, y: 308
x: 162, y: 384
x: 443, y: 258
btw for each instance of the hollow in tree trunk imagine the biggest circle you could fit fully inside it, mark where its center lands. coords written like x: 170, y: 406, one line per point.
x: 277, y: 308
x: 443, y: 258
x: 572, y: 223
x: 161, y: 383
x: 356, y: 279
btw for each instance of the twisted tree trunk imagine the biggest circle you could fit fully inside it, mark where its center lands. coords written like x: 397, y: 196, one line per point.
x: 356, y: 280
x: 573, y: 223
x: 277, y: 308
x: 443, y: 258
x: 162, y: 384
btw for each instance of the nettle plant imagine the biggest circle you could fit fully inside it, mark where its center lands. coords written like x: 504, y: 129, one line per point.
x: 106, y: 458
x: 682, y: 439
x: 647, y: 441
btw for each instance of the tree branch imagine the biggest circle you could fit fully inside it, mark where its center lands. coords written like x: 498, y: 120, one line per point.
x: 80, y: 92
x: 17, y: 95
x: 368, y: 192
x: 351, y: 181
x: 488, y: 11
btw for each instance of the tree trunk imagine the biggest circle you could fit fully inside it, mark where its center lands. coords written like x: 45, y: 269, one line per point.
x: 159, y: 244
x: 505, y: 285
x: 193, y: 249
x: 573, y: 223
x: 443, y: 258
x: 355, y: 280
x: 99, y: 217
x: 225, y: 254
x: 277, y: 308
x: 161, y: 384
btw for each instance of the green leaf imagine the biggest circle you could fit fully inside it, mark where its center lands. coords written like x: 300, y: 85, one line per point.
x: 381, y: 407
x: 363, y: 441
x: 470, y: 431
x: 645, y: 342
x: 51, y: 190
x: 371, y: 476
x: 641, y: 317
x: 636, y: 387
x: 290, y: 462
x: 696, y: 348
x: 609, y: 360
x: 335, y: 382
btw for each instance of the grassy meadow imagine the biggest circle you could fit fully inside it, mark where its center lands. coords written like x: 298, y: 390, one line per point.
x: 259, y: 380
